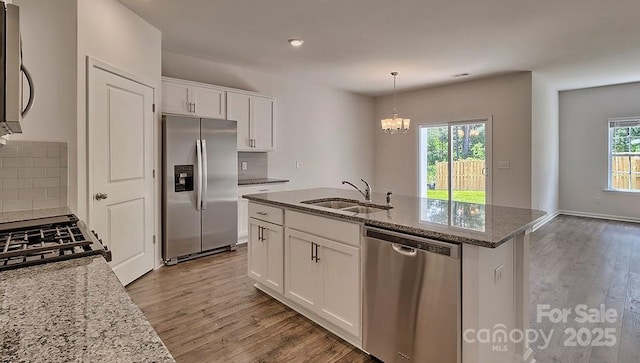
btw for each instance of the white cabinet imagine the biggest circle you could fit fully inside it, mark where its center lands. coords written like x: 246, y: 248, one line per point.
x: 254, y: 113
x: 243, y: 205
x: 324, y: 277
x: 255, y: 116
x: 301, y: 269
x: 175, y: 98
x: 208, y: 102
x: 265, y: 253
x: 189, y: 98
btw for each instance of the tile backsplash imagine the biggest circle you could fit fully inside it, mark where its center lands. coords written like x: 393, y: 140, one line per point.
x: 257, y: 165
x: 33, y: 175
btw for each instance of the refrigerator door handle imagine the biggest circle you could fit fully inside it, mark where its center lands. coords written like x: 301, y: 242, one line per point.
x: 205, y: 173
x: 199, y: 178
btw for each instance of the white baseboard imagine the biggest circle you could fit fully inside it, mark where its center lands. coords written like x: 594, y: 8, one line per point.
x: 546, y: 220
x: 600, y: 216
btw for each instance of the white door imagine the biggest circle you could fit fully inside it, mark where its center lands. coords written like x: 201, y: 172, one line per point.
x: 120, y: 165
x: 302, y: 272
x: 239, y: 109
x: 274, y: 240
x: 263, y: 116
x: 256, y: 252
x: 341, y: 285
x: 209, y: 103
x: 175, y: 98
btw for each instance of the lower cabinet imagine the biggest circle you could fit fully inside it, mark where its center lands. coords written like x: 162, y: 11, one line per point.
x: 265, y: 253
x: 243, y: 205
x: 323, y: 276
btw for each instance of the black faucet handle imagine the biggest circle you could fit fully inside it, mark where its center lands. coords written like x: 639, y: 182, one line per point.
x: 389, y: 197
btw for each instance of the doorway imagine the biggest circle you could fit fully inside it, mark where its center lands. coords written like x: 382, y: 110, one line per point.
x: 454, y: 161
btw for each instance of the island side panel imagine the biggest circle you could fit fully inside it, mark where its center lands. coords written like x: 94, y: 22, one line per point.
x: 521, y: 256
x: 488, y: 303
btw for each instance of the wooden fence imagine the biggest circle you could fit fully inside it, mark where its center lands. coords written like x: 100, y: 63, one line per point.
x: 467, y: 175
x: 620, y: 179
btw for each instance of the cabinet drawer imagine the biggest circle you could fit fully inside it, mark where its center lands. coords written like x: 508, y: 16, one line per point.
x: 336, y: 230
x: 260, y: 188
x: 266, y: 213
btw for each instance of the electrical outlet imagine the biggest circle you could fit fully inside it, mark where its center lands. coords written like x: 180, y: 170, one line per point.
x: 243, y: 165
x: 298, y: 164
x: 504, y: 165
x: 497, y: 274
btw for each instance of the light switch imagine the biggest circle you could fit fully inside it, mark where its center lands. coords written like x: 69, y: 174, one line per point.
x: 298, y: 164
x: 243, y: 165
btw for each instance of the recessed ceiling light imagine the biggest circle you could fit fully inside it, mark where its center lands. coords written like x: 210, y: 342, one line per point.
x: 296, y: 42
x: 460, y: 75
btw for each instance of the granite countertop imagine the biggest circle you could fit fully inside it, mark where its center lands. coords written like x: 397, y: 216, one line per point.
x: 32, y: 214
x: 261, y: 181
x: 477, y: 224
x: 73, y: 311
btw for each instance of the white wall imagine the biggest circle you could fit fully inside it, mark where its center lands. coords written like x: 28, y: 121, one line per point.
x: 329, y: 131
x: 545, y: 146
x: 507, y: 98
x: 584, y: 149
x: 48, y: 31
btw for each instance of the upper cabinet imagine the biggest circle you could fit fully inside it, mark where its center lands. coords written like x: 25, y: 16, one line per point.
x: 254, y: 113
x: 188, y: 98
x: 255, y: 116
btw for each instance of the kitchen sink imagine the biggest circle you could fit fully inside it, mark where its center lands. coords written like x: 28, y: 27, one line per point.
x: 347, y: 205
x: 364, y: 209
x: 333, y: 204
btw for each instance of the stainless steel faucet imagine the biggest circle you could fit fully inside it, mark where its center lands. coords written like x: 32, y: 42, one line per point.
x: 367, y: 190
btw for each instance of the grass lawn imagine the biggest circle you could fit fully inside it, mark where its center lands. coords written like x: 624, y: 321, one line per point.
x: 468, y: 196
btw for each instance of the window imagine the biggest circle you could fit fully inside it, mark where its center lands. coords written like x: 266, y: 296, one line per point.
x: 624, y: 154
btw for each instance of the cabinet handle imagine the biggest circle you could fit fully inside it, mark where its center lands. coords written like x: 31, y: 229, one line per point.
x: 262, y: 213
x: 312, y: 250
x: 260, y: 233
x: 317, y: 258
x: 264, y: 239
x: 194, y: 107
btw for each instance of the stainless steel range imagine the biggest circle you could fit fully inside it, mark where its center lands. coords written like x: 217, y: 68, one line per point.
x: 44, y: 240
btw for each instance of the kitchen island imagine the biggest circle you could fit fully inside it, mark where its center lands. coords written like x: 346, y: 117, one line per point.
x: 73, y: 311
x: 326, y: 284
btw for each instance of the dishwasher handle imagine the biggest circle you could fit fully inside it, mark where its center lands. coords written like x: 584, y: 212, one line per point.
x: 404, y: 250
x: 413, y: 242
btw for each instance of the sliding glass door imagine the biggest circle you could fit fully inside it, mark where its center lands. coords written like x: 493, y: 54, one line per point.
x: 454, y: 159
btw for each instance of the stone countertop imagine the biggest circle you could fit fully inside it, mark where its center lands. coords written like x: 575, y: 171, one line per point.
x: 73, y: 311
x: 261, y: 181
x: 457, y: 222
x: 32, y: 214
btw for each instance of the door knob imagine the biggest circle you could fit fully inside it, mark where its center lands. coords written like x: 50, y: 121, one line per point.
x: 101, y: 196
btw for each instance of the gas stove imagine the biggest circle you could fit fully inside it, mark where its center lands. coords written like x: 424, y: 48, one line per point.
x: 44, y: 240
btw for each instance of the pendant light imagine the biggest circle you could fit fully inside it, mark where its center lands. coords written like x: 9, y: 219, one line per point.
x: 397, y: 124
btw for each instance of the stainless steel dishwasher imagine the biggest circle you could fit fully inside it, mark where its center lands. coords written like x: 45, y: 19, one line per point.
x: 412, y: 291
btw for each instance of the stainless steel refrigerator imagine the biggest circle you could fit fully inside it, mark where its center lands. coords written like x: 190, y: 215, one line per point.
x: 200, y: 187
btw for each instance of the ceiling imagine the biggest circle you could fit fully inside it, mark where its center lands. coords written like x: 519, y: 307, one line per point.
x: 355, y: 44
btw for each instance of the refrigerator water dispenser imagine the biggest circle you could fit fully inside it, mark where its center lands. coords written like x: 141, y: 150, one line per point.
x: 183, y: 175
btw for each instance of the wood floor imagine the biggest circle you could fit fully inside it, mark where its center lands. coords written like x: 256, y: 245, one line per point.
x: 587, y: 261
x: 207, y: 310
